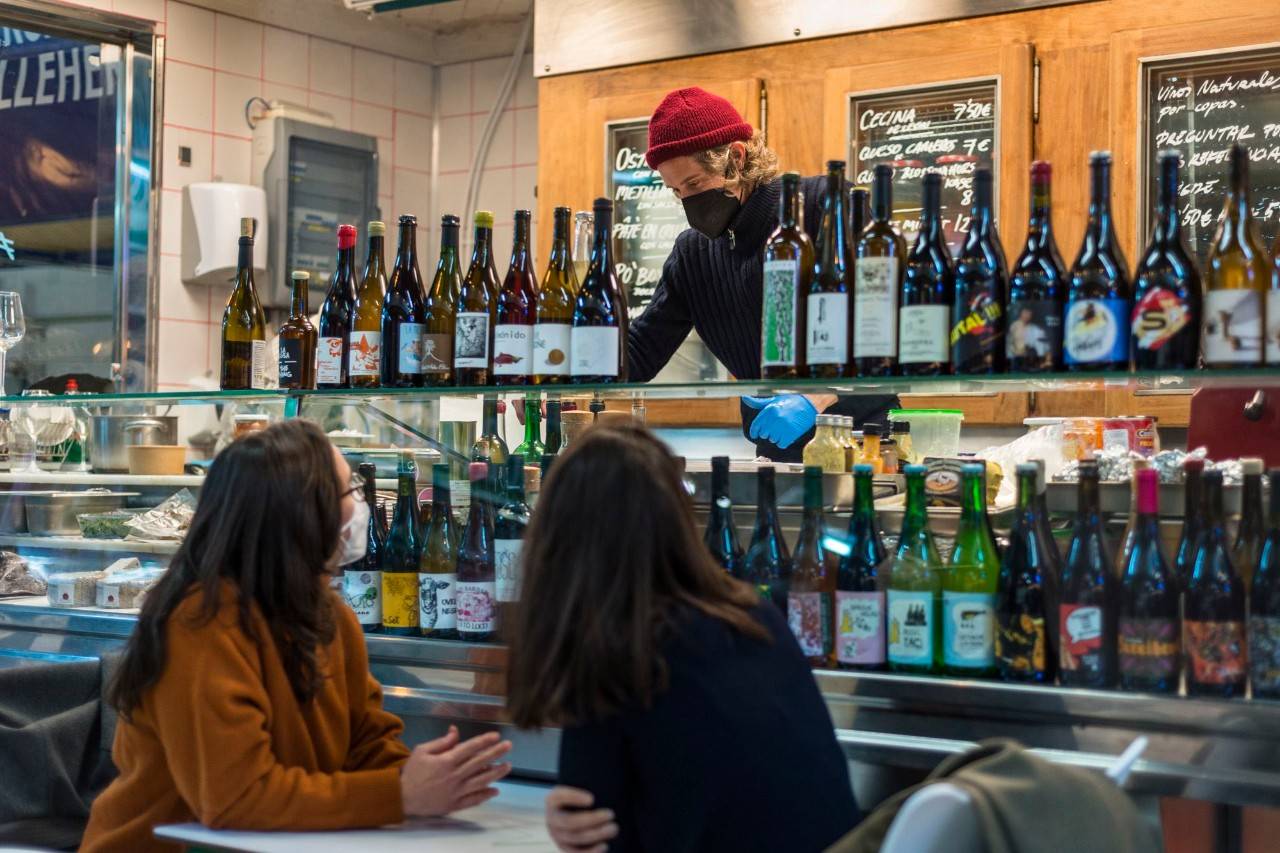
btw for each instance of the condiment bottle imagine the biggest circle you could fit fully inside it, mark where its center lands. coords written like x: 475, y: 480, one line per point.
x: 826, y: 450
x: 850, y: 443
x: 871, y: 448
x: 901, y: 431
x: 888, y: 451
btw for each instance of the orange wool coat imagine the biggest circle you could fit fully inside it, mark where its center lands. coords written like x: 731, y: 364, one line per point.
x: 222, y: 740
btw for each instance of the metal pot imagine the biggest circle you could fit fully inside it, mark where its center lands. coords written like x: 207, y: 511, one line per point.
x: 112, y: 434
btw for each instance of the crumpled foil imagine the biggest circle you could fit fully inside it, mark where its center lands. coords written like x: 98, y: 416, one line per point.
x: 167, y: 522
x: 1115, y: 464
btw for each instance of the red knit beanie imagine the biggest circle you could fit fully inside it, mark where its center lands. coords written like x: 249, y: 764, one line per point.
x: 692, y: 120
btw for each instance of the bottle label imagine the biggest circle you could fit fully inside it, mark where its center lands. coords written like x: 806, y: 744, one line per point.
x: 364, y: 354
x: 778, y: 329
x: 1021, y: 642
x: 476, y: 608
x: 258, y: 364
x: 1157, y: 318
x: 968, y: 628
x: 910, y: 627
x: 860, y: 627
x: 329, y: 360
x: 1035, y: 332
x: 1097, y: 330
x: 1273, y: 326
x: 290, y: 365
x: 1264, y: 654
x: 1149, y: 648
x: 437, y: 603
x: 400, y: 599
x: 809, y: 614
x: 363, y: 591
x: 1233, y: 326
x: 471, y: 339
x: 506, y: 559
x: 551, y: 349
x: 828, y: 329
x: 1215, y: 651
x: 1080, y: 645
x: 922, y: 334
x: 594, y: 350
x: 460, y: 494
x: 512, y: 349
x: 437, y: 352
x: 410, y: 360
x: 875, y: 308
x: 978, y: 333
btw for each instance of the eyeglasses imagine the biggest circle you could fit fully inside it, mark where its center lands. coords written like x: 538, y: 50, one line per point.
x: 355, y: 486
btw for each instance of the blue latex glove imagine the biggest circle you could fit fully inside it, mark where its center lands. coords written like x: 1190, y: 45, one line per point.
x: 782, y: 419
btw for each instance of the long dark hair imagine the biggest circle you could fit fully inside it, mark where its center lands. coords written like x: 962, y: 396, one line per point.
x: 268, y: 521
x: 610, y: 559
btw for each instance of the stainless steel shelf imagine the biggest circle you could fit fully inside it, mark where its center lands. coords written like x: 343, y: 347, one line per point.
x: 27, y: 542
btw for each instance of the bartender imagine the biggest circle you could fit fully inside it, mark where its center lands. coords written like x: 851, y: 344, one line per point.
x: 726, y: 178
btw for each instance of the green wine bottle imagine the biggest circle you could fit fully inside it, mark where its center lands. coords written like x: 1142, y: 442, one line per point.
x: 969, y: 590
x: 915, y: 587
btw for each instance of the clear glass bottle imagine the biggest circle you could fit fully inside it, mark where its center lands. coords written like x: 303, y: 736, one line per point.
x: 826, y: 449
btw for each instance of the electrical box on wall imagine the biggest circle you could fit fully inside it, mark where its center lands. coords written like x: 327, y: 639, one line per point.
x: 315, y: 178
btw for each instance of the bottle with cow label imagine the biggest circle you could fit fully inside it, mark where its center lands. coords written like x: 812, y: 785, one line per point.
x: 402, y: 313
x: 877, y: 280
x: 438, y: 568
x: 914, y: 620
x: 477, y: 605
x: 335, y: 315
x: 1097, y: 321
x: 598, y: 339
x: 969, y: 585
x: 473, y: 322
x: 788, y: 268
x: 1088, y: 597
x: 508, y: 535
x: 1150, y: 630
x: 861, y: 580
x: 1037, y: 288
x: 977, y: 316
x: 553, y: 313
x: 1023, y: 598
x: 517, y: 307
x: 1215, y: 609
x: 440, y: 308
x: 362, y: 580
x: 826, y: 353
x: 928, y: 289
x: 1236, y: 278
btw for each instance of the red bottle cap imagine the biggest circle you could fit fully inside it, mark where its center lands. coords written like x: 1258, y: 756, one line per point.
x: 346, y: 236
x: 1148, y: 491
x: 1041, y: 170
x: 72, y: 386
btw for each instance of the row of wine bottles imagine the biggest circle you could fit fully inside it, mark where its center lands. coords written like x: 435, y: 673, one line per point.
x: 868, y: 306
x: 1027, y: 613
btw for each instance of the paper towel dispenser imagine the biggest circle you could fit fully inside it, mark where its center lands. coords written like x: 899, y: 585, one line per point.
x: 211, y: 214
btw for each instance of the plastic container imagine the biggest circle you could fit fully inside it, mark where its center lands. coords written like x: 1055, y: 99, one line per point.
x: 934, y: 432
x: 157, y: 459
x: 106, y: 525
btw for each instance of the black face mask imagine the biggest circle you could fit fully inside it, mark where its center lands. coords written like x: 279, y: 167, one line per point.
x: 710, y: 212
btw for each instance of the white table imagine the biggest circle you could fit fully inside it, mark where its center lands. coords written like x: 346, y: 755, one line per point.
x: 511, y: 821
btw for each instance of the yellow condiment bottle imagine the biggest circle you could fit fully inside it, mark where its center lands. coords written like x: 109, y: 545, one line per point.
x: 826, y: 450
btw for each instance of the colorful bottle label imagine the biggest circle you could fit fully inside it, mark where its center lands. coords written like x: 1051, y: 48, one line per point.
x: 910, y: 627
x: 979, y: 329
x: 437, y: 352
x: 512, y: 349
x: 364, y: 355
x: 437, y: 601
x: 363, y: 591
x: 551, y: 349
x: 1233, y: 326
x: 410, y: 360
x: 968, y: 629
x: 1157, y: 317
x: 922, y: 334
x: 1264, y: 654
x: 1080, y: 645
x: 329, y: 360
x: 290, y: 365
x: 1097, y: 331
x: 809, y: 614
x: 471, y: 339
x: 258, y: 364
x: 506, y: 567
x: 476, y: 607
x: 860, y: 627
x: 399, y: 599
x: 1215, y: 651
x: 778, y: 329
x: 1021, y: 643
x: 1149, y: 648
x: 594, y: 351
x: 1273, y: 326
x: 875, y: 308
x: 827, y: 330
x: 1034, y: 335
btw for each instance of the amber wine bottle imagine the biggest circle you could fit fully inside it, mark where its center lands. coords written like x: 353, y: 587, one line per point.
x: 473, y: 328
x: 439, y: 308
x: 554, y: 311
x: 1237, y: 278
x: 402, y: 313
x: 365, y: 349
x: 244, y: 326
x: 298, y: 339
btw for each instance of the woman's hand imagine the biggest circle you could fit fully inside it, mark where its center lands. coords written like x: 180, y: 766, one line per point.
x: 443, y: 775
x: 573, y: 828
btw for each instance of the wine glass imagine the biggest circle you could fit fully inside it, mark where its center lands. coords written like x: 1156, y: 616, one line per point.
x: 38, y: 426
x: 13, y: 326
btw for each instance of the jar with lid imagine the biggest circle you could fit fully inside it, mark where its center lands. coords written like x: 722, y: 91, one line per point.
x: 871, y: 448
x: 888, y: 450
x: 850, y: 444
x: 826, y: 449
x: 901, y: 432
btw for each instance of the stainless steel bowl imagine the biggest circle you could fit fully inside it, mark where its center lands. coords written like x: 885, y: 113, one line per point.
x: 54, y: 513
x: 112, y: 435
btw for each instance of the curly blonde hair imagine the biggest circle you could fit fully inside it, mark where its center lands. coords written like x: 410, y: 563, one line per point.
x: 759, y: 166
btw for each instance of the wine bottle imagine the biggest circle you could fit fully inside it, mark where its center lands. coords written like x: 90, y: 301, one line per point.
x: 928, y: 290
x: 517, y: 305
x: 553, y: 322
x: 788, y: 270
x: 476, y: 576
x: 1167, y: 300
x: 335, y: 315
x: 1096, y: 335
x: 982, y: 284
x: 859, y: 216
x: 401, y: 555
x: 767, y: 563
x: 362, y: 580
x: 438, y: 568
x: 403, y: 316
x: 1237, y: 278
x: 1192, y: 521
x: 826, y: 353
x: 1272, y: 353
x: 244, y: 326
x: 1252, y: 530
x: 598, y: 339
x: 1087, y: 602
x: 473, y: 324
x: 1022, y: 648
x: 1037, y: 288
x: 915, y: 587
x: 813, y: 578
x: 861, y: 579
x: 1264, y: 606
x: 1149, y: 628
x: 1215, y: 608
x: 297, y: 339
x: 364, y: 348
x: 878, y: 275
x: 440, y: 308
x: 489, y: 446
x: 583, y: 229
x: 970, y: 583
x: 554, y: 437
x: 531, y: 447
x: 721, y: 537
x: 1053, y: 558
x: 508, y: 536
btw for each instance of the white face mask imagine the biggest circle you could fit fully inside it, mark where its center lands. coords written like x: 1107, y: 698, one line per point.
x: 353, y: 542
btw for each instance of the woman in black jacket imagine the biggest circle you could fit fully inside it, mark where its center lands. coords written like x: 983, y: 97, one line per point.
x: 691, y: 720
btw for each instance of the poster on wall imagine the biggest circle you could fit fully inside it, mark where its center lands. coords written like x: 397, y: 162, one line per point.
x: 1200, y: 106
x: 949, y: 129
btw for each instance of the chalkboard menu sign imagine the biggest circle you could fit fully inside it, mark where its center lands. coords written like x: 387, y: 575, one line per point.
x: 646, y: 215
x: 1199, y: 106
x: 949, y: 129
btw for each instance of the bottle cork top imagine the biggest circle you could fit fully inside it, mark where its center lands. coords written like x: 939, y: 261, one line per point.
x: 346, y: 236
x: 1252, y: 465
x: 377, y: 229
x: 247, y: 227
x: 484, y: 219
x: 532, y: 479
x: 300, y: 275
